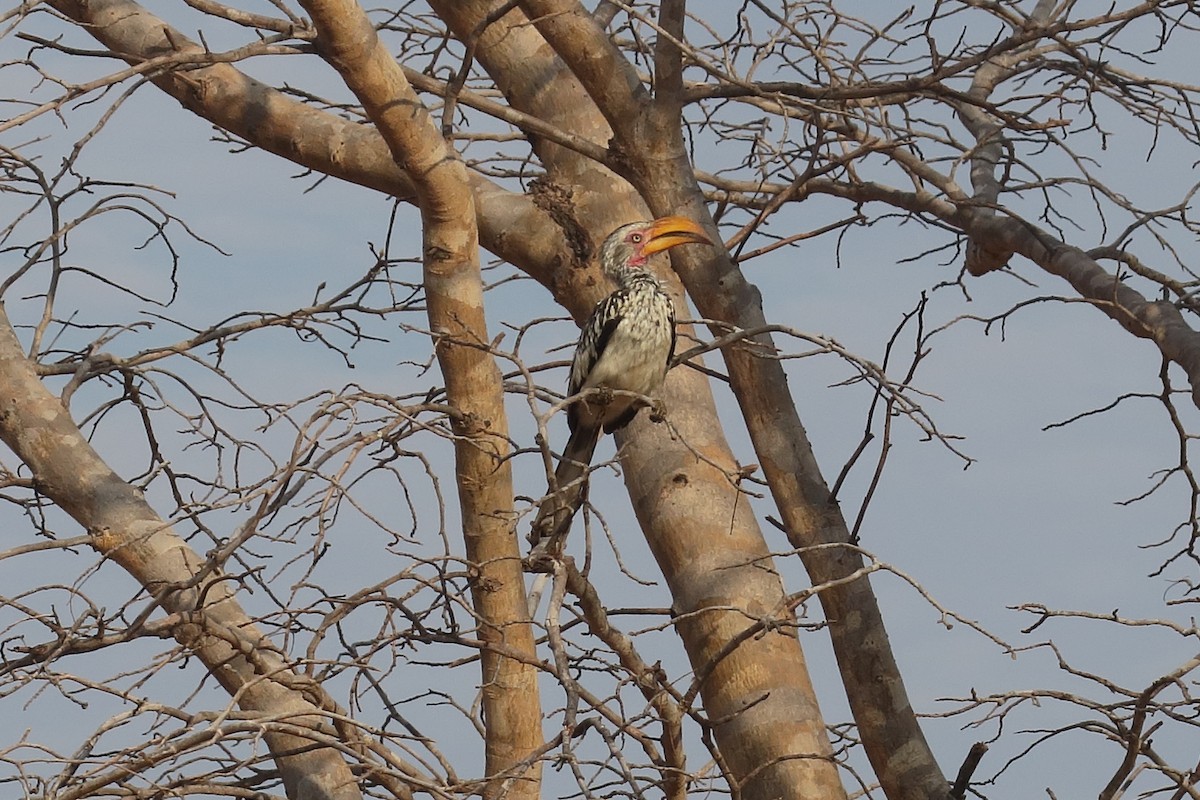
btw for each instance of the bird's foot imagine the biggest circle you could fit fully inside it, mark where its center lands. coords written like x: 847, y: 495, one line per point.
x: 658, y: 410
x: 542, y: 556
x: 603, y: 396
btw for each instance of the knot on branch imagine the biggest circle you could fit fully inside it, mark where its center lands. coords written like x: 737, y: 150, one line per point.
x: 558, y: 201
x: 982, y: 259
x: 468, y: 423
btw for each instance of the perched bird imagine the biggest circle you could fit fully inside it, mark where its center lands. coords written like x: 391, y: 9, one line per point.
x: 623, y: 353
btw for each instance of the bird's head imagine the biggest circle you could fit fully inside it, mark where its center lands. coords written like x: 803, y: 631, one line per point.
x: 630, y: 246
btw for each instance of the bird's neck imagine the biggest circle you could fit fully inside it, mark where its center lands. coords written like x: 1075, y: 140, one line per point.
x: 632, y: 277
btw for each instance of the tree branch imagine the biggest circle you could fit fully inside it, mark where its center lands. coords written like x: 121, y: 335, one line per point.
x: 314, y: 139
x: 124, y: 529
x: 454, y: 289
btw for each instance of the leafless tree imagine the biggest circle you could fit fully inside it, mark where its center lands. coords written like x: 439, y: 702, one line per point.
x: 219, y: 584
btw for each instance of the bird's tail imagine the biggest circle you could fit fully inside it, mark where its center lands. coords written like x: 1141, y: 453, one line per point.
x: 555, y: 515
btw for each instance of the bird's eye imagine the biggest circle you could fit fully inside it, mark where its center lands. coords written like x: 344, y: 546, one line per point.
x: 636, y: 238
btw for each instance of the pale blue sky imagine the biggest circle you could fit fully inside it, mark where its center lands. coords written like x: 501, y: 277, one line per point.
x: 1033, y: 520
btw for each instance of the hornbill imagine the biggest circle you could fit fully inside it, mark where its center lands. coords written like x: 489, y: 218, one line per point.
x: 622, y: 356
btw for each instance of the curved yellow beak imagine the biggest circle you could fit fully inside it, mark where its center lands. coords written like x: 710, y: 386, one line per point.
x: 667, y: 232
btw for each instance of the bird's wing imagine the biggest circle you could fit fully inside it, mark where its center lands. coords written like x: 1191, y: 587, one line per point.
x: 596, y: 334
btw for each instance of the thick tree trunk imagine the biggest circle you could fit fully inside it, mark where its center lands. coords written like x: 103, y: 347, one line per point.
x: 709, y: 547
x: 649, y: 136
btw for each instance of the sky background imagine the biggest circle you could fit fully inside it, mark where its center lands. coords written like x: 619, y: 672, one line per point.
x: 1035, y: 519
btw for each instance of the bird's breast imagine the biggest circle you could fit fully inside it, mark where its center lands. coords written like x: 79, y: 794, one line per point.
x: 636, y: 354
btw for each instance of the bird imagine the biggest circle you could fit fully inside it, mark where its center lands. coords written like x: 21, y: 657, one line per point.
x: 622, y: 356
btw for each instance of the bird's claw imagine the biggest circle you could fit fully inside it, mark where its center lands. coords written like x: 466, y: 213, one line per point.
x: 658, y: 410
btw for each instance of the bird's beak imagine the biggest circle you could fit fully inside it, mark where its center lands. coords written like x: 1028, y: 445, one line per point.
x: 666, y: 232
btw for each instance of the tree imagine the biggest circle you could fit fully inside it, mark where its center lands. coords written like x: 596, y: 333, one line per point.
x: 260, y: 519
